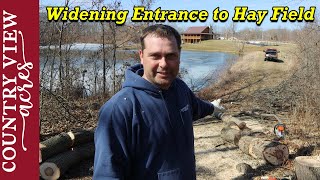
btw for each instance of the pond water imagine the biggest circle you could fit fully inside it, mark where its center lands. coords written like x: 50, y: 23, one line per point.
x: 198, y: 69
x: 203, y: 67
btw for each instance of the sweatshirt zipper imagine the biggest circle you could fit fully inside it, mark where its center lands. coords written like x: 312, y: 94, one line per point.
x: 165, y: 107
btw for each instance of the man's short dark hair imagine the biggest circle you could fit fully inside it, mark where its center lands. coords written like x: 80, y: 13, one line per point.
x: 160, y: 30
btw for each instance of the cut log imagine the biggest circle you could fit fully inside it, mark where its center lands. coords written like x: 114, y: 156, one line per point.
x: 63, y: 142
x: 231, y: 135
x: 272, y: 152
x: 83, y: 137
x: 54, y: 167
x: 244, y: 168
x: 307, y: 167
x: 246, y: 131
x: 55, y: 145
x: 232, y: 120
x: 244, y: 143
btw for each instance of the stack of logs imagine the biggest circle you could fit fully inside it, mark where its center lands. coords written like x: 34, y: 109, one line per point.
x: 59, y: 153
x: 253, y: 143
x: 273, y: 152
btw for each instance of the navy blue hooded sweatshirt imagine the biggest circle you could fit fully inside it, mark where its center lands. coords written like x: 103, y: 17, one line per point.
x: 146, y: 133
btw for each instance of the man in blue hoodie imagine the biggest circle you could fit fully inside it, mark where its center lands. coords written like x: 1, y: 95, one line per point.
x: 145, y: 130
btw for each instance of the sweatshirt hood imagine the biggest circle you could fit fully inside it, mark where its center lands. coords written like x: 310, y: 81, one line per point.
x: 133, y: 78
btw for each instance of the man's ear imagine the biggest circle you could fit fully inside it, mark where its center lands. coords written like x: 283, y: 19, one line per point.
x: 141, y: 56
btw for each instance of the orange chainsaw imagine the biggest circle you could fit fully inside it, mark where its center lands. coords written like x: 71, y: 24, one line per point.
x: 280, y: 128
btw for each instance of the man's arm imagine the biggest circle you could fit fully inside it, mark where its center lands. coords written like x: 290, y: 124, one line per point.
x: 111, y: 159
x: 200, y: 107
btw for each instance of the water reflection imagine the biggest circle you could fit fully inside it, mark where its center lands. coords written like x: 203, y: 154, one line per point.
x: 198, y: 69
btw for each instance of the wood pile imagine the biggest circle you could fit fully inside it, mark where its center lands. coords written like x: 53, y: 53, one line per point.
x: 59, y: 153
x: 257, y: 145
x: 253, y: 143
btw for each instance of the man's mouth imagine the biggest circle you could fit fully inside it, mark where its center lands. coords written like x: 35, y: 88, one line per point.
x: 164, y: 73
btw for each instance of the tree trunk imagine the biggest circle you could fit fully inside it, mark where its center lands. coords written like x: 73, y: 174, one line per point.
x: 56, y: 166
x: 63, y: 142
x: 104, y: 59
x: 114, y: 51
x: 52, y: 73
x: 307, y: 167
x: 61, y: 73
x: 272, y: 152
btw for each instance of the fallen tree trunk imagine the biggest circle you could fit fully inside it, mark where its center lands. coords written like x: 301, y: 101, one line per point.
x: 307, y: 167
x: 56, y: 166
x: 64, y: 142
x: 272, y: 152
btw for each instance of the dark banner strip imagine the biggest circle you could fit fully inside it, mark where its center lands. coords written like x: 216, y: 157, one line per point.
x: 19, y: 151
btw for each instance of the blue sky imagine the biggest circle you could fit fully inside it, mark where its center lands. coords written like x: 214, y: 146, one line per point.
x: 211, y: 5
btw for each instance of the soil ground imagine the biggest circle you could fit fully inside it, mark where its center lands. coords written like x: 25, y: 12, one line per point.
x: 216, y: 159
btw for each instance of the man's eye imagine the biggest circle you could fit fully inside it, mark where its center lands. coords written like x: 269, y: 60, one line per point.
x: 172, y: 56
x: 155, y: 57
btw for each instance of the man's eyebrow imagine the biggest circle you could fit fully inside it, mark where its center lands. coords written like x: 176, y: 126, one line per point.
x: 154, y: 53
x: 172, y: 53
x: 160, y: 54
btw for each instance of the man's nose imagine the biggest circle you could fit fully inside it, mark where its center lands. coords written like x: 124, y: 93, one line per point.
x: 163, y: 62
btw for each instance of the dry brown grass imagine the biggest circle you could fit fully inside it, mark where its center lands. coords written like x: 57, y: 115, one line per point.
x: 305, y: 110
x: 221, y: 46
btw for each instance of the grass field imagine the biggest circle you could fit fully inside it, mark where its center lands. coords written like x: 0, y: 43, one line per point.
x: 227, y: 46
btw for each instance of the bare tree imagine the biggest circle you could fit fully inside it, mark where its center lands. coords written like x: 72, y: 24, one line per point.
x: 99, y: 4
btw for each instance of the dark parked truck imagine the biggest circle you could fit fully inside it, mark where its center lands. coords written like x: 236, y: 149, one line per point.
x: 271, y: 54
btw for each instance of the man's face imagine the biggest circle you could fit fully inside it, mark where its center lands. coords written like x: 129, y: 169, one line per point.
x: 160, y: 59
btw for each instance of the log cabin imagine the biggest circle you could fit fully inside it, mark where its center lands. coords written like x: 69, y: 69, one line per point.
x: 196, y: 34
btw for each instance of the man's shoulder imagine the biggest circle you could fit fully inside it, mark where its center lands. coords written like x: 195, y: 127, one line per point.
x: 118, y: 108
x: 120, y: 96
x: 180, y: 83
x: 121, y: 100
